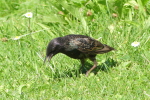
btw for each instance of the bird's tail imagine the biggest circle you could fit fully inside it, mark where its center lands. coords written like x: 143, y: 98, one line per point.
x: 105, y: 49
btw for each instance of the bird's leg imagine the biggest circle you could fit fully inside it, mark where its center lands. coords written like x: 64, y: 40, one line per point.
x: 94, y: 66
x: 82, y: 63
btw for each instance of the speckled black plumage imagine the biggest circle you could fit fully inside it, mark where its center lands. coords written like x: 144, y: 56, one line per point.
x: 77, y: 47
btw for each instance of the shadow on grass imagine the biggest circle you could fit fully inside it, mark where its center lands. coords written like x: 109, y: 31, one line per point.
x: 109, y: 63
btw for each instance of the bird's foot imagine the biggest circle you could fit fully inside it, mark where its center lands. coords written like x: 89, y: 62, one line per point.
x: 87, y: 73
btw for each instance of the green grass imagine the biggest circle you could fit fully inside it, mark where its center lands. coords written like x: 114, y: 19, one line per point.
x: 121, y: 75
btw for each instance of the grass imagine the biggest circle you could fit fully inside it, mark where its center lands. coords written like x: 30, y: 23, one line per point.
x: 120, y: 75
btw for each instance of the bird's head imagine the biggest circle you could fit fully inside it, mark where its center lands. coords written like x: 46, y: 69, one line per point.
x: 53, y: 48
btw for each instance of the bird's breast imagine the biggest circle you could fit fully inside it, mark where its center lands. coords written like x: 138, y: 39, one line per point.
x: 76, y: 54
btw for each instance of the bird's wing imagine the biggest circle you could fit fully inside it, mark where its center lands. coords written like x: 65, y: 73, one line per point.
x: 86, y: 45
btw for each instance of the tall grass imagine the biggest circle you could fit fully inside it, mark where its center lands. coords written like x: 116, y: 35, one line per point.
x: 123, y: 74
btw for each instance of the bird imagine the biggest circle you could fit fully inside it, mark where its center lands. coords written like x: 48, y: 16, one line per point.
x: 78, y: 47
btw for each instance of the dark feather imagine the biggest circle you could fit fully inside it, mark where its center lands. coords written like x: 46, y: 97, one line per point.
x: 77, y: 47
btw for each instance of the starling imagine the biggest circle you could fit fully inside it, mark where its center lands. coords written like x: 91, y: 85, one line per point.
x: 78, y: 47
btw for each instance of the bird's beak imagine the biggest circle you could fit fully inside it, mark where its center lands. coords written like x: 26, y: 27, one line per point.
x: 47, y: 57
x: 45, y: 60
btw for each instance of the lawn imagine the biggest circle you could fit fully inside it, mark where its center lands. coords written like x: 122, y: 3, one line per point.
x: 123, y: 74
